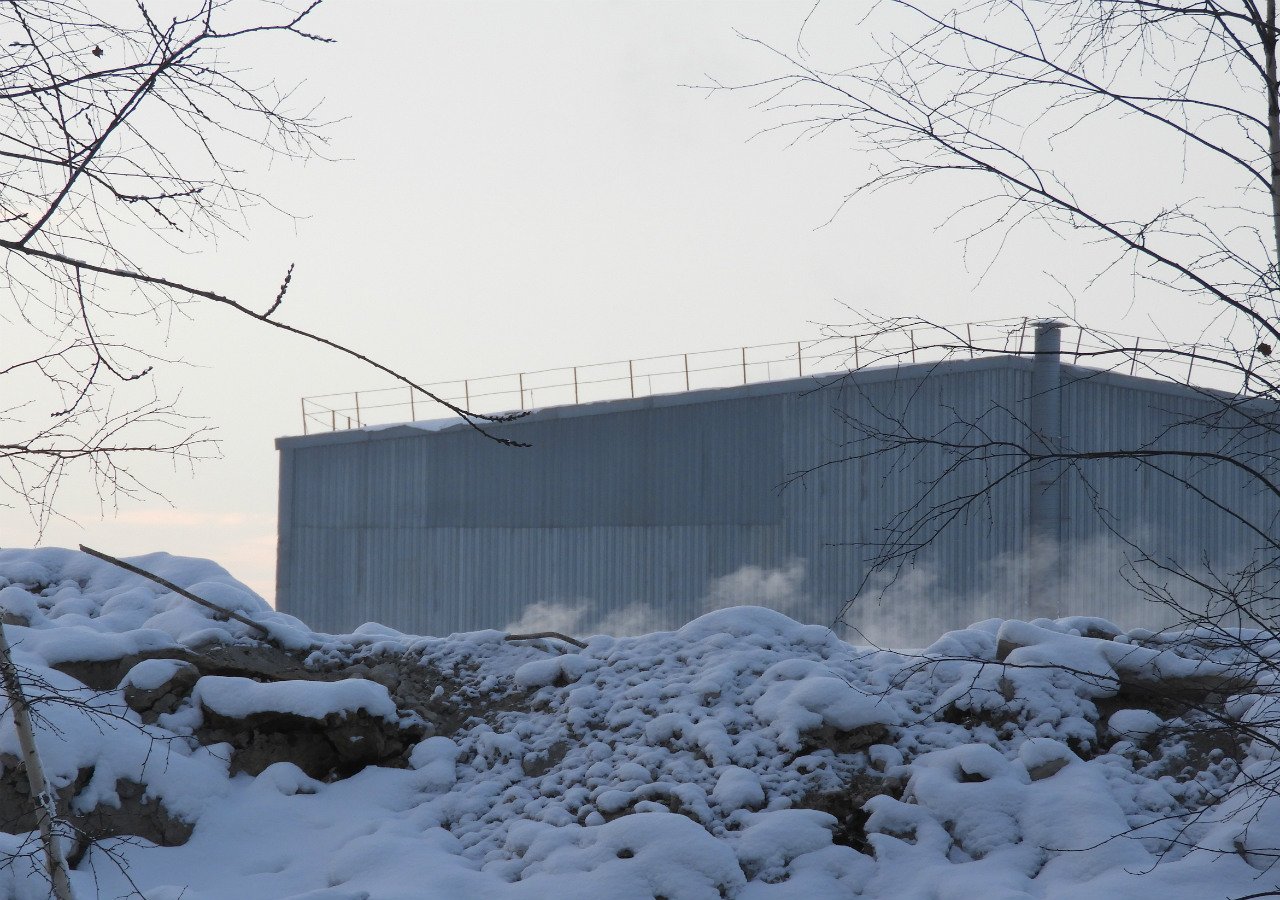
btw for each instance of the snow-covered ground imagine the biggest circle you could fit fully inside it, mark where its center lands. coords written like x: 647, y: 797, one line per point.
x: 743, y: 756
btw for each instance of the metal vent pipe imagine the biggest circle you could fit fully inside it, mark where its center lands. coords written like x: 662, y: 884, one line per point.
x: 1045, y: 506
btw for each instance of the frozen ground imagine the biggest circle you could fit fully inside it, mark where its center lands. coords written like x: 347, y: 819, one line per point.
x: 743, y: 756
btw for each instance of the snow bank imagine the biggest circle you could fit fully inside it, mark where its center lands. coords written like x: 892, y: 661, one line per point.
x: 74, y: 607
x: 743, y: 756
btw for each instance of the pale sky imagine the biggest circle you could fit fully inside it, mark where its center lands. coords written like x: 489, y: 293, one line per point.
x: 523, y: 186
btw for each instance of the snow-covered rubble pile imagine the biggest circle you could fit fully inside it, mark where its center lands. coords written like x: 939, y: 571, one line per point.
x: 743, y: 756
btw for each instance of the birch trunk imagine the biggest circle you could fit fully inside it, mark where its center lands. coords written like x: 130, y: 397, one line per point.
x: 46, y: 809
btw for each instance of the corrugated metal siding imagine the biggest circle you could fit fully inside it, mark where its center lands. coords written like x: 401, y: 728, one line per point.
x: 1189, y: 521
x: 624, y: 514
x: 946, y: 586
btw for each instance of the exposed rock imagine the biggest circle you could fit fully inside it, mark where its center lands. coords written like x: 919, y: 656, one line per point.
x: 329, y: 747
x: 385, y: 674
x: 105, y: 674
x: 1199, y: 688
x: 884, y: 757
x: 1139, y: 676
x: 847, y: 807
x: 1047, y: 769
x: 537, y: 766
x: 136, y: 815
x: 427, y: 692
x: 151, y: 697
x: 840, y: 741
x: 264, y: 662
x: 335, y: 746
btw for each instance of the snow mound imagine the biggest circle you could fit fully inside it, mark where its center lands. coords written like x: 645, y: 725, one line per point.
x: 78, y: 607
x: 744, y: 756
x: 239, y: 698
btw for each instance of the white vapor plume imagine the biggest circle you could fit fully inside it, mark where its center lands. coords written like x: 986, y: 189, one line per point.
x: 1094, y: 577
x: 781, y: 589
x: 777, y: 588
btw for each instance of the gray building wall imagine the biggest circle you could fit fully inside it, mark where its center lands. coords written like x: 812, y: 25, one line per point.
x: 635, y: 515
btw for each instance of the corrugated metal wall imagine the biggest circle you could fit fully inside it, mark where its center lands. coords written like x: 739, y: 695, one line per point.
x: 637, y: 515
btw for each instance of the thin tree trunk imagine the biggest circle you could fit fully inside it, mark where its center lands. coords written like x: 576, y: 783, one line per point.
x: 45, y: 808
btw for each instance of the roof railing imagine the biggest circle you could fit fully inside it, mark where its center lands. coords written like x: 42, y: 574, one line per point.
x: 895, y: 341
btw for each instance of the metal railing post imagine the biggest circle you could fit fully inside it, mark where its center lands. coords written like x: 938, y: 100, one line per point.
x: 1108, y: 344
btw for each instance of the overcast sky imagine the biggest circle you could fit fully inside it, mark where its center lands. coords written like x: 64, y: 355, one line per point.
x: 524, y: 186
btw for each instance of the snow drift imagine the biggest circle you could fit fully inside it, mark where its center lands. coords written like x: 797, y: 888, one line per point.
x: 744, y: 756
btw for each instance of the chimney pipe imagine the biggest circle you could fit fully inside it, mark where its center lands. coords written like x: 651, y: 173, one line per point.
x: 1045, y: 506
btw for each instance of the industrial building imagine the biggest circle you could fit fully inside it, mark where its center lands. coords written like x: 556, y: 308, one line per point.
x: 634, y: 515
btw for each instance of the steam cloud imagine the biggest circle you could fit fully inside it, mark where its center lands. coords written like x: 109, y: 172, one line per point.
x: 914, y: 606
x: 781, y: 589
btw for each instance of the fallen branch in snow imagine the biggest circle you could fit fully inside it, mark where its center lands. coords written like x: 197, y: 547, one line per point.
x: 547, y: 634
x: 129, y: 567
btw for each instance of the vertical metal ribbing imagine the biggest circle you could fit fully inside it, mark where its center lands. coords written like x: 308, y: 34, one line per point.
x: 1044, y: 505
x: 485, y: 534
x: 285, y: 535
